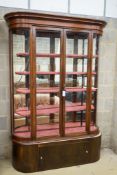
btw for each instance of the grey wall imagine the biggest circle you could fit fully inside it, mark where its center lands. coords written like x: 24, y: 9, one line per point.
x: 4, y: 90
x: 107, y: 75
x: 107, y: 94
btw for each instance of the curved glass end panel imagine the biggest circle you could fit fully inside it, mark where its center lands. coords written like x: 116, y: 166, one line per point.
x: 21, y: 83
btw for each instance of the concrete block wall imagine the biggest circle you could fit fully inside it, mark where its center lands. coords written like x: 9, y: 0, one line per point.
x: 4, y: 91
x: 114, y: 122
x: 107, y: 100
x: 113, y: 140
x: 107, y: 73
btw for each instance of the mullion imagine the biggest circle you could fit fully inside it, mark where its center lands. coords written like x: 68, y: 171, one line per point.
x: 27, y: 67
x: 82, y: 97
x: 33, y: 82
x: 96, y: 77
x: 75, y: 64
x: 89, y: 82
x: 11, y: 42
x: 62, y: 112
x: 52, y: 68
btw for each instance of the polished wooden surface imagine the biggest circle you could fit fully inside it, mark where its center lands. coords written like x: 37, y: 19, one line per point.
x: 35, y: 156
x: 89, y: 82
x: 19, y: 19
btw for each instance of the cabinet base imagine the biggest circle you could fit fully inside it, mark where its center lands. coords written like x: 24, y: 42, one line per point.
x: 35, y: 156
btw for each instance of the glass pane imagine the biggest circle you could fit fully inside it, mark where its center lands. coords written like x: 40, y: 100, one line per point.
x: 21, y: 82
x: 94, y: 76
x: 76, y: 82
x: 47, y: 83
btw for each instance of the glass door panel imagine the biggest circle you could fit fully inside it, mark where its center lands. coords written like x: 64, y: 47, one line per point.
x: 21, y: 83
x: 94, y: 76
x: 76, y: 82
x: 47, y: 83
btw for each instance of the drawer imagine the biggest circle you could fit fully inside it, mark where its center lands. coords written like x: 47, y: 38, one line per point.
x: 64, y: 154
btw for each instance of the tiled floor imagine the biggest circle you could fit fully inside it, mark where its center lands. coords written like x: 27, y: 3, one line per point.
x: 107, y: 165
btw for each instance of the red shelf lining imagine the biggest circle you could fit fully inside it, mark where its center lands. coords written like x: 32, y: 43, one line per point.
x: 54, y: 73
x: 46, y: 126
x: 49, y: 109
x: 53, y: 90
x: 51, y: 130
x: 54, y: 55
x: 75, y: 89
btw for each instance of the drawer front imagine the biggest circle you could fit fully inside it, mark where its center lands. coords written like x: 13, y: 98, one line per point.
x: 63, y: 155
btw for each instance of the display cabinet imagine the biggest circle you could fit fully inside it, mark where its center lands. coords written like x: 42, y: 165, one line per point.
x: 53, y: 78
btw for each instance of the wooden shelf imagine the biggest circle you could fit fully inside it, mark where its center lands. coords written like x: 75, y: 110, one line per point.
x: 53, y: 73
x: 54, y: 55
x: 38, y: 73
x: 53, y: 90
x: 79, y: 73
x: 48, y: 129
x: 38, y: 90
x: 49, y: 109
x: 79, y: 56
x: 76, y: 89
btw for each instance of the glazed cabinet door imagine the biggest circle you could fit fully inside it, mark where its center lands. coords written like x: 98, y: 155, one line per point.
x: 48, y: 83
x: 80, y: 82
x: 66, y: 82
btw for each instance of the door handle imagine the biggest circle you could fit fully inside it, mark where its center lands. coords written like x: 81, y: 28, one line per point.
x: 63, y: 93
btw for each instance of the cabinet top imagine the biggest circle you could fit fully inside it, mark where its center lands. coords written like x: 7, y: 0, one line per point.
x: 27, y: 19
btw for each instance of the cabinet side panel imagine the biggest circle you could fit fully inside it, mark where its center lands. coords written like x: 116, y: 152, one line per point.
x: 25, y: 157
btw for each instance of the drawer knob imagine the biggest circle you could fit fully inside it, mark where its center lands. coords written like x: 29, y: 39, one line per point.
x: 87, y: 151
x: 41, y: 157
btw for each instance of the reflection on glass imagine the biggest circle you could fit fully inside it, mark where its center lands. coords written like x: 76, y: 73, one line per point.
x: 94, y: 77
x: 47, y: 83
x: 76, y: 82
x: 21, y: 70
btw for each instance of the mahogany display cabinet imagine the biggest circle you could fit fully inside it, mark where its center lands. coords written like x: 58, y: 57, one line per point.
x: 53, y: 85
